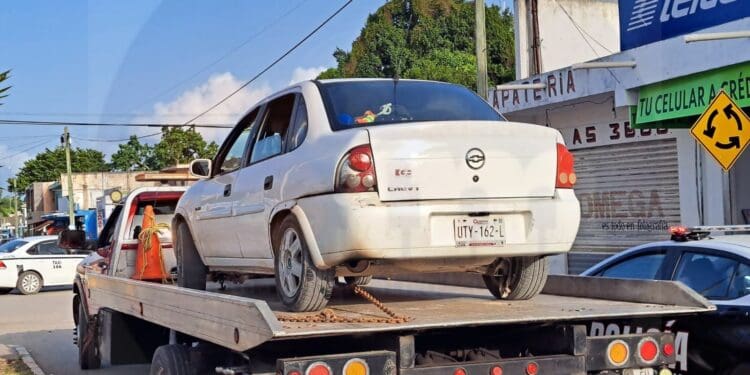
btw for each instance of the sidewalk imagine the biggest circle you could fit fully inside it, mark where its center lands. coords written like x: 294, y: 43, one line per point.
x: 16, y: 360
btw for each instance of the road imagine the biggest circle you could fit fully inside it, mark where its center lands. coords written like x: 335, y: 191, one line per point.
x: 43, y: 323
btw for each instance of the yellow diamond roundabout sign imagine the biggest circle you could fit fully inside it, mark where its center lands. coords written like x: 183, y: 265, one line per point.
x: 723, y: 129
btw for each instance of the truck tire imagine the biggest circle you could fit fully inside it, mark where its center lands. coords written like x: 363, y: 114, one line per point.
x: 170, y: 359
x: 88, y: 343
x: 357, y: 280
x: 191, y: 272
x: 527, y: 278
x: 29, y: 282
x: 300, y: 285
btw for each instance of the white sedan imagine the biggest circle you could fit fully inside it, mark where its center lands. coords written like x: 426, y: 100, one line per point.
x: 30, y: 263
x: 365, y: 177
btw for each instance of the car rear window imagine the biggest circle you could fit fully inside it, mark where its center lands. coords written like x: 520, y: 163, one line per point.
x: 351, y: 104
x: 163, y: 213
x: 11, y: 246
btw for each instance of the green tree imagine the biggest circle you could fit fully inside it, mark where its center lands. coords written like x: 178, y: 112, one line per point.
x: 49, y: 164
x: 179, y: 146
x: 133, y: 156
x: 4, y: 91
x: 428, y: 39
x: 7, y: 208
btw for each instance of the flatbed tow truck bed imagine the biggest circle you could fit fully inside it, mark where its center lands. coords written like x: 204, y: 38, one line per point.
x: 245, y: 316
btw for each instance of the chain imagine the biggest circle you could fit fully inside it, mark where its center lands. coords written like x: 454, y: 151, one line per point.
x: 329, y: 316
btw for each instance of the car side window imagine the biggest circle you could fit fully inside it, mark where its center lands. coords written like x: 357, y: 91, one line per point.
x: 298, y: 130
x: 709, y: 275
x: 645, y: 267
x: 273, y: 128
x: 740, y: 283
x: 49, y: 248
x: 232, y: 160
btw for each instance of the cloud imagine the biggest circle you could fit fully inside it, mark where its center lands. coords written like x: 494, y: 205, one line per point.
x: 198, y: 99
x: 303, y: 74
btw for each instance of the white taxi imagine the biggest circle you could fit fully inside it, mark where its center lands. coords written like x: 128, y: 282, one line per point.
x: 30, y: 263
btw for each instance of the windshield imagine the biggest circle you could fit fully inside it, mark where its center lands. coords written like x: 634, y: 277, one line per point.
x: 366, y: 103
x: 11, y: 246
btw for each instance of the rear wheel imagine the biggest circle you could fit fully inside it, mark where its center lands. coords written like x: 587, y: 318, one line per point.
x: 191, y: 272
x: 170, y: 359
x: 29, y: 282
x: 87, y: 340
x: 300, y: 285
x: 357, y: 280
x: 517, y: 278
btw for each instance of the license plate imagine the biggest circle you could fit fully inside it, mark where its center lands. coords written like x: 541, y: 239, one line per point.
x: 479, y: 231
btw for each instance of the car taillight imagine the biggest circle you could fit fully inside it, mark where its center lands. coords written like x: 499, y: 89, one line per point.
x: 566, y: 175
x: 356, y: 172
x: 2, y: 265
x: 668, y: 349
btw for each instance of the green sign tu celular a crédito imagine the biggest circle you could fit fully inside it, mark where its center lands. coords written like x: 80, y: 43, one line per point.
x: 690, y: 95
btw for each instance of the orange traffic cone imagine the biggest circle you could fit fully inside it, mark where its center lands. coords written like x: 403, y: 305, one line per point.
x: 149, y: 264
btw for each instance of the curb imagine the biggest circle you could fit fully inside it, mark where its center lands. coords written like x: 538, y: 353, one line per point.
x: 27, y: 359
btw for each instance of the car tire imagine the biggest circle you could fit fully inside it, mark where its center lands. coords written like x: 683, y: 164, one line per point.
x: 29, y: 282
x: 4, y: 291
x: 191, y: 272
x: 300, y: 285
x: 170, y: 359
x: 357, y: 280
x: 527, y: 276
x: 88, y: 343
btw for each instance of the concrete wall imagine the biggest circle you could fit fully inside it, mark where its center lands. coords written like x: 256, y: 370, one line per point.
x: 39, y: 199
x: 571, y: 31
x: 89, y: 186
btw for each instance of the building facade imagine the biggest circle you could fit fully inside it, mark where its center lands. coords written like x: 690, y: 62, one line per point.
x: 639, y: 169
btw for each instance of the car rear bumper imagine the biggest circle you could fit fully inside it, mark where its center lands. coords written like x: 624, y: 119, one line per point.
x: 8, y: 276
x: 346, y: 227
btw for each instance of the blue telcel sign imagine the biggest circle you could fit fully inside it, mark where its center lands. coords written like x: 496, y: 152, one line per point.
x: 648, y: 21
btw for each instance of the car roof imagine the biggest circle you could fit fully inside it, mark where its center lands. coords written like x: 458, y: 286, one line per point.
x: 38, y: 238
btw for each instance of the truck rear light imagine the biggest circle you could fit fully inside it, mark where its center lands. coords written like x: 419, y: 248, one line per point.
x: 294, y: 372
x: 319, y: 368
x: 459, y: 371
x: 2, y: 265
x: 356, y: 171
x: 668, y: 350
x: 496, y: 370
x: 665, y: 371
x: 566, y: 175
x: 356, y: 366
x: 618, y: 352
x: 648, y: 350
x: 532, y: 368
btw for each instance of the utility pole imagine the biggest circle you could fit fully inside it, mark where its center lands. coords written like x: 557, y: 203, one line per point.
x: 15, y: 207
x: 481, y: 44
x: 71, y: 204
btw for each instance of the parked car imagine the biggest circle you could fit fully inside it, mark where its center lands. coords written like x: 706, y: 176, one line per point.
x: 363, y: 177
x: 716, y: 266
x: 30, y: 263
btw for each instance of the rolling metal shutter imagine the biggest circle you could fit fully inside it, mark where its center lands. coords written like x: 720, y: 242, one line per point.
x: 629, y: 195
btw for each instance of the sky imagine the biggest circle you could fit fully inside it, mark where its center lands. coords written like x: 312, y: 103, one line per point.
x: 154, y: 61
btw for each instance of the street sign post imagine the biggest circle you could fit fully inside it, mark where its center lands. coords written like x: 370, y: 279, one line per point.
x: 723, y: 129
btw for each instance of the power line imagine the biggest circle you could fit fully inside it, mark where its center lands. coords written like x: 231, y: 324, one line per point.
x: 43, y: 143
x: 583, y: 31
x: 115, y: 140
x: 72, y: 123
x: 225, y: 55
x: 267, y: 68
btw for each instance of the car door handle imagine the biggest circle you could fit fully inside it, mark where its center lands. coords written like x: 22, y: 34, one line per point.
x: 268, y: 183
x: 227, y: 190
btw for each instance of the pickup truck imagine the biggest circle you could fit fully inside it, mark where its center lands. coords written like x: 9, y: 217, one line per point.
x: 388, y: 327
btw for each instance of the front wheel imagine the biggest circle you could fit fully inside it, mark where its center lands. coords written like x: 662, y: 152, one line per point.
x: 87, y: 340
x: 191, y: 272
x: 517, y: 278
x: 300, y: 285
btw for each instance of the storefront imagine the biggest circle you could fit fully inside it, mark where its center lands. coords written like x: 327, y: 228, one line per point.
x: 639, y: 169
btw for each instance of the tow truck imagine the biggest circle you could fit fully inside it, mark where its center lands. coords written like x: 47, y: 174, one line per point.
x: 389, y: 327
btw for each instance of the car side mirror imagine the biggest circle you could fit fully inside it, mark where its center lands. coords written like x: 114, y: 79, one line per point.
x: 200, y: 168
x: 71, y: 239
